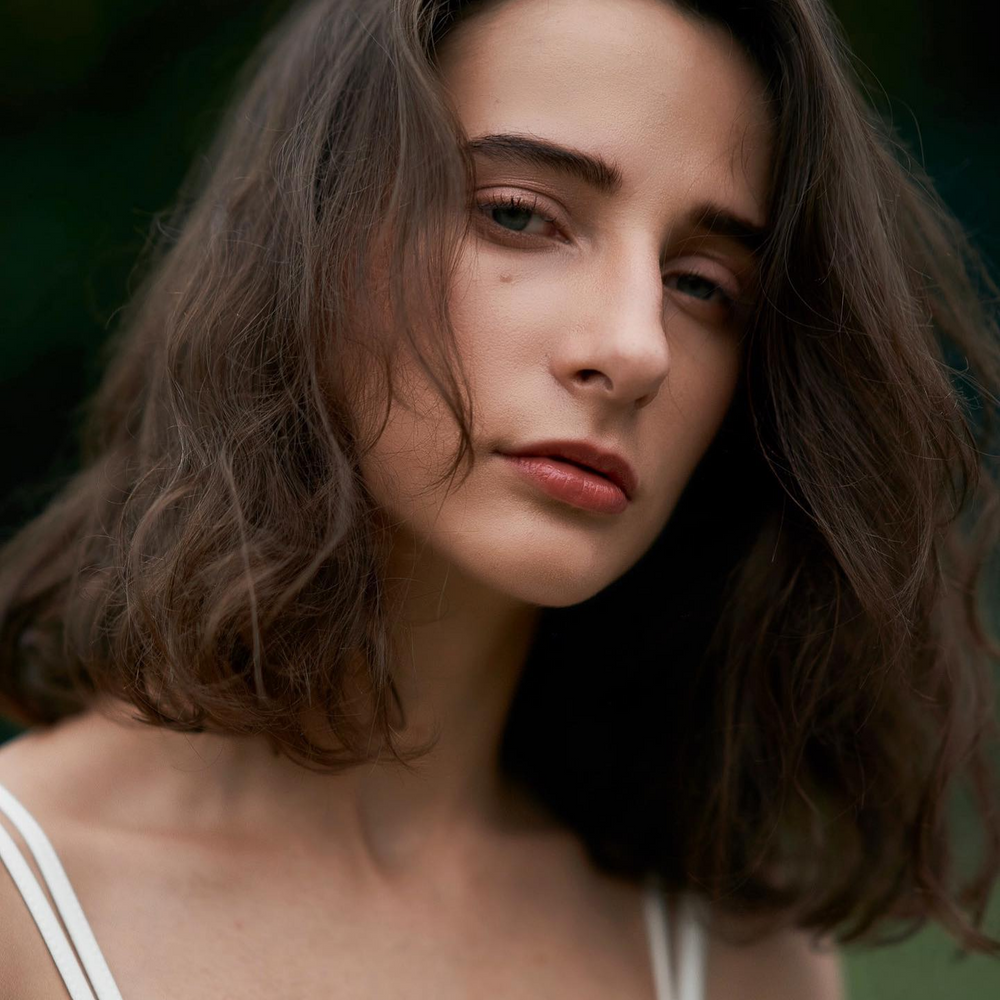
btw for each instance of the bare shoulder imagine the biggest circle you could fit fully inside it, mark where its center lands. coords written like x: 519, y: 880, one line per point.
x: 789, y: 964
x: 26, y: 967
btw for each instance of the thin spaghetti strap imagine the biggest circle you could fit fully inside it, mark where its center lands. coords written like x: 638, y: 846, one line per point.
x: 65, y: 900
x: 655, y: 909
x: 44, y: 916
x: 691, y: 951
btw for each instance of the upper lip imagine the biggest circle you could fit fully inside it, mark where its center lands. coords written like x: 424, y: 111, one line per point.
x: 607, y: 463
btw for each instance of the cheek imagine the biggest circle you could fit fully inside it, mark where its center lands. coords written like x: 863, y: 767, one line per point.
x: 415, y: 446
x: 408, y: 444
x: 488, y: 309
x: 691, y: 408
x: 704, y: 374
x: 710, y: 400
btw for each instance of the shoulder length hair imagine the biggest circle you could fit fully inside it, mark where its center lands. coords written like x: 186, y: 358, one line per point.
x: 776, y: 705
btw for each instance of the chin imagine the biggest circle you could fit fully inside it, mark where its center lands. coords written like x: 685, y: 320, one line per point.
x: 545, y: 562
x: 488, y: 545
x: 548, y: 587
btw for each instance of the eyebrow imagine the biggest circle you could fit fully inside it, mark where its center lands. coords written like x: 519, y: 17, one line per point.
x: 519, y: 149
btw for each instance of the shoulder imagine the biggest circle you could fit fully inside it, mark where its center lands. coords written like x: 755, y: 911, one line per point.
x: 26, y: 967
x: 790, y: 964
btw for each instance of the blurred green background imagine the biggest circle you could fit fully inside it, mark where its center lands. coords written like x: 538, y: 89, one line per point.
x: 104, y: 103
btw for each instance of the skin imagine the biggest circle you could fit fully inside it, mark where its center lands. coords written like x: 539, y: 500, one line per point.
x: 584, y: 330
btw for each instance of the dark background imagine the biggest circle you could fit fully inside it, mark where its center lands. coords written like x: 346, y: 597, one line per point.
x: 103, y: 105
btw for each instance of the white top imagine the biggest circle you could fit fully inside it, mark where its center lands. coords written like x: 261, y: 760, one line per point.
x: 680, y: 980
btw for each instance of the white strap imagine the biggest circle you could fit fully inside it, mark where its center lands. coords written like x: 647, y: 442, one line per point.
x: 654, y: 906
x: 65, y: 900
x: 45, y: 918
x: 689, y: 967
x: 691, y: 952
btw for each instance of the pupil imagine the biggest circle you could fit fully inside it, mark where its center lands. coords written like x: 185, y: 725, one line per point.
x: 516, y: 223
x: 692, y: 284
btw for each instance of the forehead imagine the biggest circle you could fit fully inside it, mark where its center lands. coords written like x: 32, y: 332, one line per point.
x: 674, y: 101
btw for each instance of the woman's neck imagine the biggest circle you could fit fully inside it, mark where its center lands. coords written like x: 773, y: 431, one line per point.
x: 461, y: 654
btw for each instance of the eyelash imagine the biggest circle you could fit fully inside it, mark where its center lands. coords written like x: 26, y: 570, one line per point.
x: 530, y: 205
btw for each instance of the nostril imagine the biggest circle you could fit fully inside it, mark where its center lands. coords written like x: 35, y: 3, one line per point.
x: 586, y: 375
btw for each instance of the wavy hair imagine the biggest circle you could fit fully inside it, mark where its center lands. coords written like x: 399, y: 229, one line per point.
x: 781, y: 701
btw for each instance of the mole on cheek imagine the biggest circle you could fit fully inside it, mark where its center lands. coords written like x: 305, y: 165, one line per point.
x: 506, y: 278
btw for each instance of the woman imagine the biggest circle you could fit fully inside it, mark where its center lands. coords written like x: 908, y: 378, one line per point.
x: 529, y: 536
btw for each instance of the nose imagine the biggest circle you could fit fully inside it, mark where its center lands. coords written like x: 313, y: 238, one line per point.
x: 613, y: 343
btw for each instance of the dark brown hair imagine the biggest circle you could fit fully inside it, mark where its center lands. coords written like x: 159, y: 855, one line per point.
x: 801, y: 663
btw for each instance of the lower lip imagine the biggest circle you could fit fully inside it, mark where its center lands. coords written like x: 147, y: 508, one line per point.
x: 570, y: 483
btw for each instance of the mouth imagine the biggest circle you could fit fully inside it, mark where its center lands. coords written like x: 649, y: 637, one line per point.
x: 578, y: 473
x: 587, y: 456
x: 579, y: 465
x: 560, y: 460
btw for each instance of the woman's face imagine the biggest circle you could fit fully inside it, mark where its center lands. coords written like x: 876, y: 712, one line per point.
x: 587, y: 307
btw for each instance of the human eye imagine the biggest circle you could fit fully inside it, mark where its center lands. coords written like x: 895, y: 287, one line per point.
x: 712, y: 289
x: 697, y: 286
x: 514, y: 215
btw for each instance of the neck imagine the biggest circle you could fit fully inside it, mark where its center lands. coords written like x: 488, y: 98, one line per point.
x: 461, y: 650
